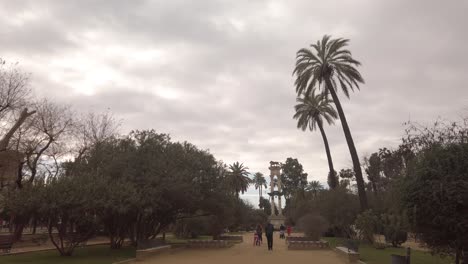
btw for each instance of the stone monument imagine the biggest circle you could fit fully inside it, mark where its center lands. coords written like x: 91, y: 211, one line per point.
x: 275, y: 181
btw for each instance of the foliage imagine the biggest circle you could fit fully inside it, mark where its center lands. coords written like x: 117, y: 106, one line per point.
x: 331, y: 64
x: 435, y: 197
x: 265, y: 205
x: 293, y: 177
x: 314, y: 187
x: 395, y: 228
x: 313, y: 225
x: 369, y: 254
x: 193, y: 227
x: 311, y: 111
x: 239, y: 178
x: 68, y: 205
x: 88, y: 255
x: 131, y: 187
x: 259, y: 182
x: 340, y: 208
x: 368, y: 224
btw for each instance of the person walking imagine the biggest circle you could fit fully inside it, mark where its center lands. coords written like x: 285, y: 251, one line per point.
x: 289, y: 230
x: 269, y: 229
x: 282, y: 229
x: 260, y: 233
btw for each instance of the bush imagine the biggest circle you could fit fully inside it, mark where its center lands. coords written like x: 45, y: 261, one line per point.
x: 313, y: 225
x: 193, y: 227
x: 395, y: 229
x: 367, y: 223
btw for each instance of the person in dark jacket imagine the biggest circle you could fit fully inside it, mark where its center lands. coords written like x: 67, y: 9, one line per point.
x: 269, y: 229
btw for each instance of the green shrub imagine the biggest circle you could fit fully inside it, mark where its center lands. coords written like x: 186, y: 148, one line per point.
x: 367, y: 223
x: 395, y: 229
x: 313, y: 225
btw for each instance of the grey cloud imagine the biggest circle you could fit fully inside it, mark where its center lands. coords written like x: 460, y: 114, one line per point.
x: 230, y: 64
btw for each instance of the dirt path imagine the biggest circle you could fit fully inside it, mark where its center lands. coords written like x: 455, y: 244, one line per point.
x: 246, y: 253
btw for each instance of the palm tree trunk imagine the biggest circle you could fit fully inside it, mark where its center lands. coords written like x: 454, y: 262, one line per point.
x: 327, y: 149
x: 259, y: 195
x: 351, y: 146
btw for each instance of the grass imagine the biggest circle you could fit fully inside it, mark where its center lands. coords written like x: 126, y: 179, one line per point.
x: 101, y: 254
x: 371, y: 255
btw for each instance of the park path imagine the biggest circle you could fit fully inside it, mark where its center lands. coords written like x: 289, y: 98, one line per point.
x: 246, y: 253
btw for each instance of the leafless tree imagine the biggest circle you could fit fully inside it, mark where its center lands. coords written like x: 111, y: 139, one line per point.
x: 14, y: 97
x: 44, y: 138
x: 92, y: 128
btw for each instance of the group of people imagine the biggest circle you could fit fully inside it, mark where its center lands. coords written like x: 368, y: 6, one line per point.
x: 269, y: 229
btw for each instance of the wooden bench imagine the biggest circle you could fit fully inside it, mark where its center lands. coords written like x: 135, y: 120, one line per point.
x: 6, y: 242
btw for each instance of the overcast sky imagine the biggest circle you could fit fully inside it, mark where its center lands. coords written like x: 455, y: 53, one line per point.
x: 218, y: 73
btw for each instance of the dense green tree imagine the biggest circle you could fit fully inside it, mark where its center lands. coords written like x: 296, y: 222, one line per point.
x: 69, y: 206
x: 340, y: 208
x: 260, y: 183
x: 330, y: 64
x: 315, y: 187
x: 293, y: 177
x: 239, y: 178
x: 147, y: 182
x: 368, y: 224
x: 265, y: 205
x: 311, y: 112
x: 373, y: 171
x: 435, y: 197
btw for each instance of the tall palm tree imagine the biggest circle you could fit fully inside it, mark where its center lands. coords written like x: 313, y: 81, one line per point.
x: 239, y: 177
x: 314, y: 187
x: 311, y: 111
x: 331, y: 64
x: 260, y: 182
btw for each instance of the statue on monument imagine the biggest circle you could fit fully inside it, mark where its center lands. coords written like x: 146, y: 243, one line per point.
x: 276, y: 192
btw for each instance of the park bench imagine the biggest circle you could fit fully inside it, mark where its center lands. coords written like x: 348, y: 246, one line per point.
x: 6, y: 242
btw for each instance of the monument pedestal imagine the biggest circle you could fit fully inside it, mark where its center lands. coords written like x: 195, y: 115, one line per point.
x: 276, y: 220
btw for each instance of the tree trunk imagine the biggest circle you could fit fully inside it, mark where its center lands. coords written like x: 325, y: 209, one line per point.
x: 6, y: 139
x: 34, y: 225
x: 329, y: 157
x: 259, y: 196
x: 351, y: 146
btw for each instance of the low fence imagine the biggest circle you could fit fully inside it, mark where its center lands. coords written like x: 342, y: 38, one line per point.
x: 234, y: 238
x: 308, y: 245
x: 208, y: 244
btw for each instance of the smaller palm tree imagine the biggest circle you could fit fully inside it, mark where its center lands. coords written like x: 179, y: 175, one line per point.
x: 315, y: 187
x: 239, y: 177
x: 260, y: 182
x: 311, y: 112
